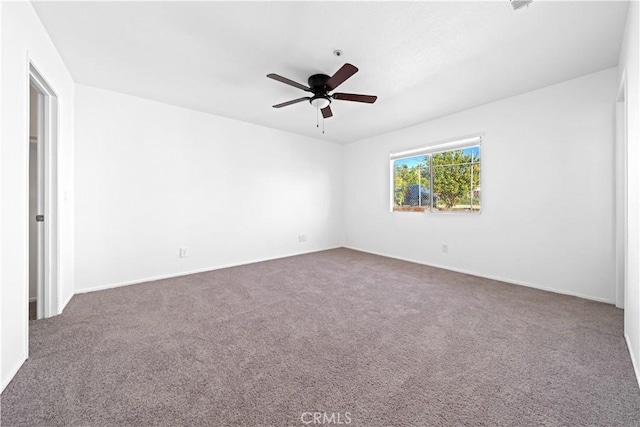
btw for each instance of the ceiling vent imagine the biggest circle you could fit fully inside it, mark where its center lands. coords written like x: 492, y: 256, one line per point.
x: 519, y: 4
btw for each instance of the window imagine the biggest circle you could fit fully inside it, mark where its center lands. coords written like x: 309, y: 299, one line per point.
x: 441, y: 178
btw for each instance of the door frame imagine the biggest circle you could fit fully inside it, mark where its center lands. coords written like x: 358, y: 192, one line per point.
x: 621, y: 208
x: 48, y: 295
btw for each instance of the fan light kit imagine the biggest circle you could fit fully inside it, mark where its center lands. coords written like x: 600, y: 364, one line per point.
x: 320, y: 102
x: 320, y: 85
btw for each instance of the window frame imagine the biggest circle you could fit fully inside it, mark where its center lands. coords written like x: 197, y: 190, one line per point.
x: 474, y: 140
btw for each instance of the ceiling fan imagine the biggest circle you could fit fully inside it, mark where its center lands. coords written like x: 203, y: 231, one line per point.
x: 320, y: 85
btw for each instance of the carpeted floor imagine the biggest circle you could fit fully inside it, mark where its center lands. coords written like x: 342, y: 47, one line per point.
x: 347, y: 335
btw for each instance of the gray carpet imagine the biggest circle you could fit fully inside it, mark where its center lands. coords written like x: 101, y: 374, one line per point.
x: 375, y: 341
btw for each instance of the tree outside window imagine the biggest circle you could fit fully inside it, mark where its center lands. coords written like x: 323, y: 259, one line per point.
x: 454, y: 176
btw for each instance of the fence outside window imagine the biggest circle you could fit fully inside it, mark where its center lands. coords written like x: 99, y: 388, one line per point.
x: 442, y: 178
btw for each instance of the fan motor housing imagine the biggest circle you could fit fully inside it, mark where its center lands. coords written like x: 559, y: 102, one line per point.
x: 317, y: 83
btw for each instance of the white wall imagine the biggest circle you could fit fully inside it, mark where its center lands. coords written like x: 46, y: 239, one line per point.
x: 547, y: 216
x: 151, y: 178
x: 629, y: 65
x: 3, y: 379
x: 24, y: 39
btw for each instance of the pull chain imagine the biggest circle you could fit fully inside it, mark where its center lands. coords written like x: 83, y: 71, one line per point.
x: 318, y: 118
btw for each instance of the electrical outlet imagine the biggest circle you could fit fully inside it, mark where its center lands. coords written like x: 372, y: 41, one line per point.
x: 302, y: 238
x: 184, y: 252
x: 445, y: 249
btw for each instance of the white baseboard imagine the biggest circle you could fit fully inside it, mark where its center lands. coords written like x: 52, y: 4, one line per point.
x: 634, y: 361
x: 12, y: 373
x: 202, y: 270
x: 457, y: 270
x: 486, y: 276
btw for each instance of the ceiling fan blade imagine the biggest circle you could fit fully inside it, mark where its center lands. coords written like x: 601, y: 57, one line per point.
x: 289, y: 82
x: 346, y: 71
x: 369, y: 99
x: 295, y: 101
x: 326, y: 112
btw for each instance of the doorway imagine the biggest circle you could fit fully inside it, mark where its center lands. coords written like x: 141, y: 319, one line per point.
x: 42, y: 209
x: 35, y: 203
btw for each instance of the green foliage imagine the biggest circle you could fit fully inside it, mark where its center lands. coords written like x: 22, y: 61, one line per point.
x: 452, y: 176
x: 405, y: 176
x: 456, y: 176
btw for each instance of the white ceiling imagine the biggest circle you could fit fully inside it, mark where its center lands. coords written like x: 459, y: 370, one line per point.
x: 422, y: 59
